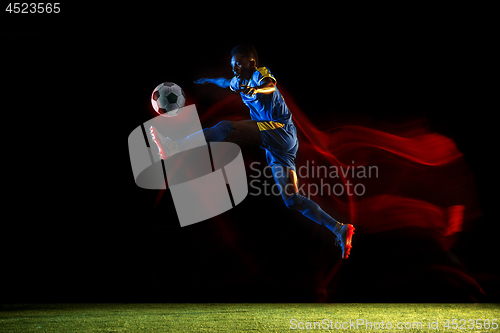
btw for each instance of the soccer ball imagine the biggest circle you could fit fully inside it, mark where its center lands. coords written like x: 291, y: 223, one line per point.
x: 168, y: 99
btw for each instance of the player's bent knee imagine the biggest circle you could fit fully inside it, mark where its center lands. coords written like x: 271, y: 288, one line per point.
x: 295, y: 202
x: 302, y: 204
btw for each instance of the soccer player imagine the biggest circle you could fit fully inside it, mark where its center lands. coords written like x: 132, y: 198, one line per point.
x: 270, y: 127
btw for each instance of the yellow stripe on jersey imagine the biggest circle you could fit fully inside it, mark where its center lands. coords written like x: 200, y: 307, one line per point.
x: 269, y: 125
x: 265, y: 73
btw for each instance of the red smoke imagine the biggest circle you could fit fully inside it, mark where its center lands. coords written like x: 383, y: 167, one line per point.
x: 422, y: 179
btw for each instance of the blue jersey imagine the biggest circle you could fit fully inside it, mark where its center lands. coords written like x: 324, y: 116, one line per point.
x: 263, y: 107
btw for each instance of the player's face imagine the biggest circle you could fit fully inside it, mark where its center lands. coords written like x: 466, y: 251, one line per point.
x: 243, y: 67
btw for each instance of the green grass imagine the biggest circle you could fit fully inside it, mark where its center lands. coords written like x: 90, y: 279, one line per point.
x: 234, y: 317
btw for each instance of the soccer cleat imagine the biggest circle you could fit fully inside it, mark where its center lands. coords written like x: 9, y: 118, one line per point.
x: 344, y: 239
x: 166, y: 146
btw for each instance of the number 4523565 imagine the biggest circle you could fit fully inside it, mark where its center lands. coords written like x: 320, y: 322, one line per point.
x: 31, y: 8
x: 471, y: 324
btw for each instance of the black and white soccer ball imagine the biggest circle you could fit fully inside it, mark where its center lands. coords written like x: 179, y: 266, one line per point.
x: 168, y: 99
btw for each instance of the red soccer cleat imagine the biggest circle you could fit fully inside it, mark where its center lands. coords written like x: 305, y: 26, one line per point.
x: 345, y: 239
x: 157, y: 139
x: 166, y: 147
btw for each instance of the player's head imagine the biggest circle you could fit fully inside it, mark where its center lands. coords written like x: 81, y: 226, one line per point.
x: 244, y: 60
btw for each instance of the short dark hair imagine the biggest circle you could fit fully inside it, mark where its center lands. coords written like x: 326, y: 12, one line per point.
x: 246, y: 50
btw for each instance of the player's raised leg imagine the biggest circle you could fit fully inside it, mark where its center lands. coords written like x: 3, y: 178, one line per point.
x: 167, y: 147
x: 244, y: 130
x: 287, y: 181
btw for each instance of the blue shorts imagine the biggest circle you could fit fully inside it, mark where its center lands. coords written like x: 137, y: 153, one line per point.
x: 280, y: 142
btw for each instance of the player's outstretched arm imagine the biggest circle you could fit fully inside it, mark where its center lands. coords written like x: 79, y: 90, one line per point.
x: 220, y: 81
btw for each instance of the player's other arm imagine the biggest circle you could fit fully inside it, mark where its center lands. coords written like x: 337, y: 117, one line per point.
x: 220, y: 81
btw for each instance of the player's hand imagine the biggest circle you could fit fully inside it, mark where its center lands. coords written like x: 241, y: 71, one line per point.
x: 246, y: 90
x: 203, y: 80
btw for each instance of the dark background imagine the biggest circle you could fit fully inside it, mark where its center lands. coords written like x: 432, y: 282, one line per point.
x: 76, y: 228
